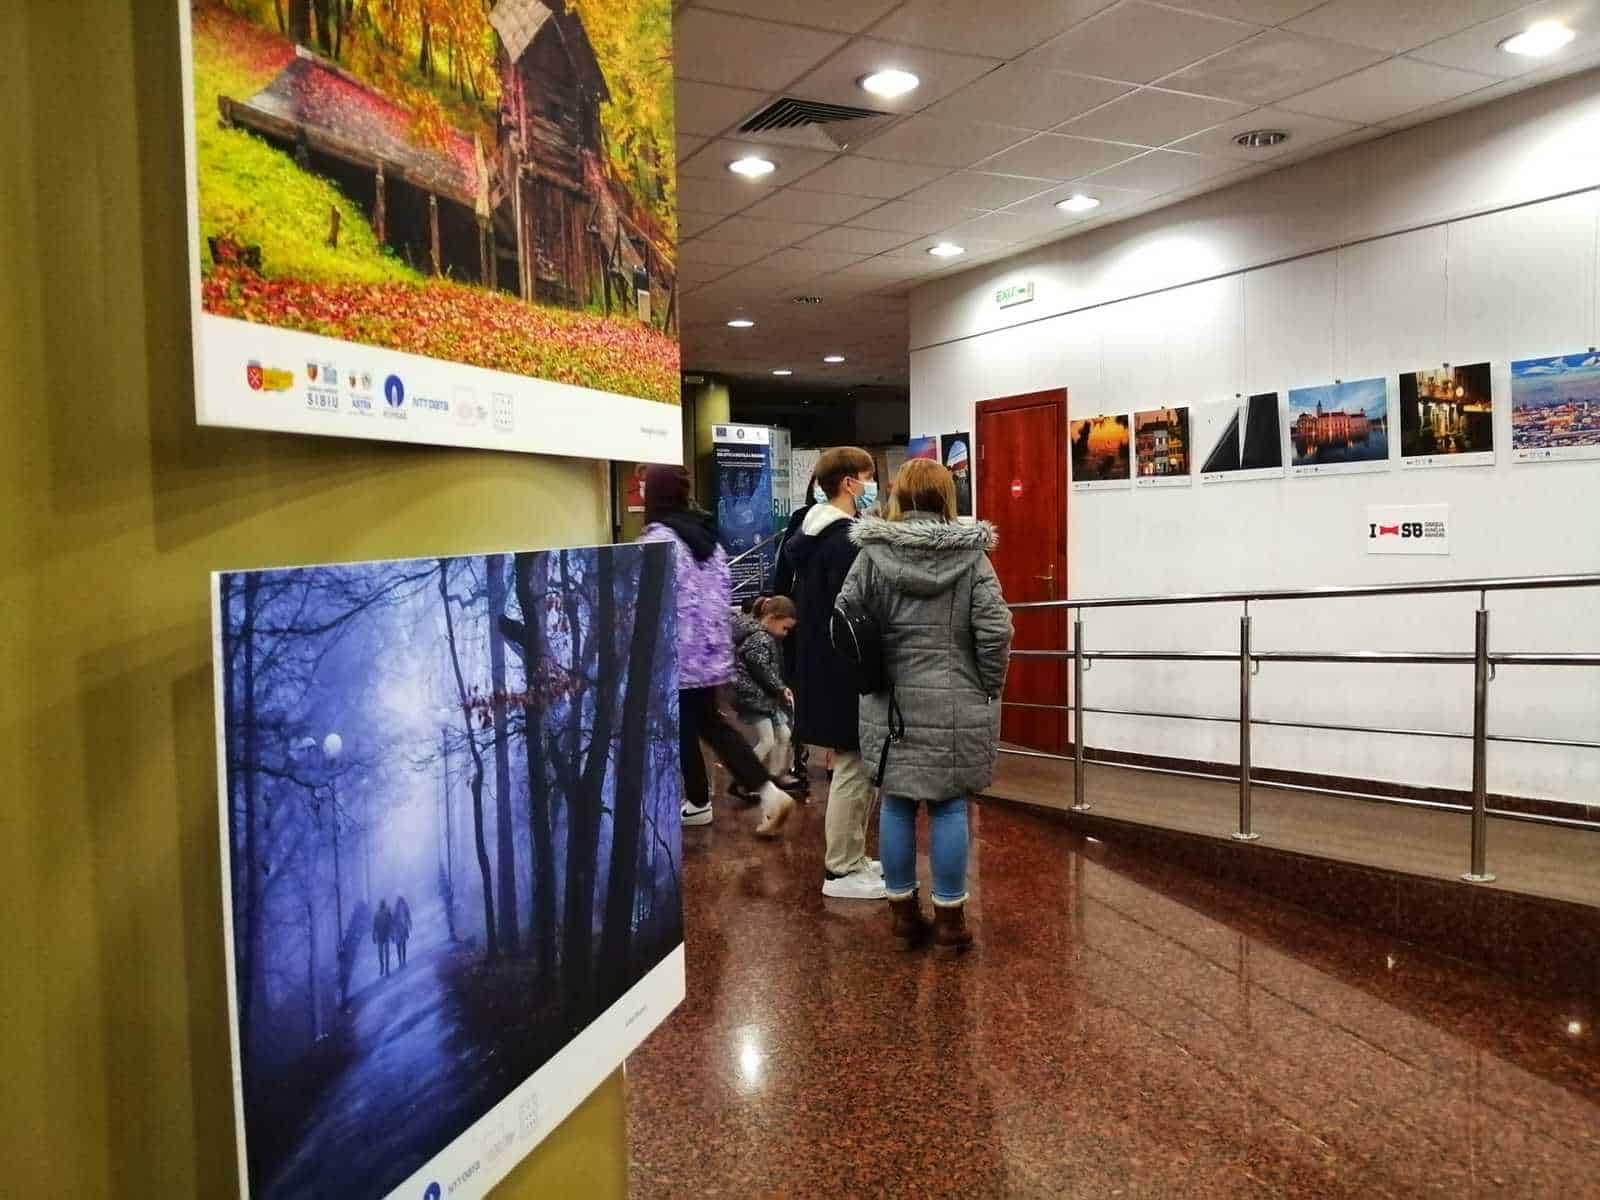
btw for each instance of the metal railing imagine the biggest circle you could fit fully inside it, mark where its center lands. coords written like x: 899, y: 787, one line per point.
x: 1483, y: 660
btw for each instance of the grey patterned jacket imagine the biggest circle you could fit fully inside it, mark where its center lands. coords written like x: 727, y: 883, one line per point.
x: 758, y: 688
x: 947, y: 643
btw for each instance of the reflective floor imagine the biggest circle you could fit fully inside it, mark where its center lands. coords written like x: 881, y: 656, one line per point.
x: 1124, y: 1029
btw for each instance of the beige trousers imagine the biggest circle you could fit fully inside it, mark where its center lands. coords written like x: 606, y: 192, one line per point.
x: 849, y: 807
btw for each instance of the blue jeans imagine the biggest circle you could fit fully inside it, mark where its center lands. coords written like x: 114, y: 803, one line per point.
x: 947, y: 849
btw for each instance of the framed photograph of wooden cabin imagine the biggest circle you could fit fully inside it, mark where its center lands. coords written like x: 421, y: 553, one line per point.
x: 438, y: 221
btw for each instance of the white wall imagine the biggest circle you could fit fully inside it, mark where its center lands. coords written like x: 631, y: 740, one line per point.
x: 1293, y: 279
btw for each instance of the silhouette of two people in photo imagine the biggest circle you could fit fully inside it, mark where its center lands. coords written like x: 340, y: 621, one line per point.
x: 391, y: 925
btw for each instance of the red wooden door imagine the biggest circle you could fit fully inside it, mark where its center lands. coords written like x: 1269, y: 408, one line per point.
x: 1022, y: 488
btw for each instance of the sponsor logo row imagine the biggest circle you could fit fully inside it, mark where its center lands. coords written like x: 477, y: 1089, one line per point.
x: 362, y: 394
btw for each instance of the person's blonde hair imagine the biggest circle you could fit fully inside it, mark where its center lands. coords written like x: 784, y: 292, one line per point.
x: 924, y: 486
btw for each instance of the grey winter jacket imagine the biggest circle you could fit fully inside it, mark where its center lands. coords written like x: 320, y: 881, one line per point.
x: 758, y: 688
x: 947, y: 642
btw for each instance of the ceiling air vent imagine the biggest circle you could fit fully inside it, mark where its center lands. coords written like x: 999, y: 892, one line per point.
x: 812, y: 123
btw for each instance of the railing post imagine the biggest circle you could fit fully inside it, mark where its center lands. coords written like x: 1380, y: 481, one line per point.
x: 1479, y: 871
x: 1244, y: 833
x: 1080, y: 801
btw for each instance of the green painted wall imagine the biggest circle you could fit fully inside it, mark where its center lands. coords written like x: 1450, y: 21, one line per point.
x: 113, y: 1025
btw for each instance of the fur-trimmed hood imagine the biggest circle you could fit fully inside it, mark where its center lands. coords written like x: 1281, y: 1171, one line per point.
x: 922, y: 554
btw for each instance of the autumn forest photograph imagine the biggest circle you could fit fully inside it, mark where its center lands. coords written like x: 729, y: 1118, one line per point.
x: 484, y: 182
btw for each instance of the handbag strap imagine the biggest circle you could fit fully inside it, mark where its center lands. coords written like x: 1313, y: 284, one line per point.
x: 896, y: 731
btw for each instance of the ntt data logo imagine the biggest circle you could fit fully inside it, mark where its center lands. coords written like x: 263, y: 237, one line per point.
x: 394, y: 391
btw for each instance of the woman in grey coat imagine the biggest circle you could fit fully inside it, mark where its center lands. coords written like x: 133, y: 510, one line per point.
x: 928, y: 583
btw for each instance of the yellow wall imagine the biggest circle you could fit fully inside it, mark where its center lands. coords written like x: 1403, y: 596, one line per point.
x: 113, y: 1025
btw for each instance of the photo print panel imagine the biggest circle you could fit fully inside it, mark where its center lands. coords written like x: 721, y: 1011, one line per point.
x: 1162, y: 448
x: 1101, y: 454
x: 956, y: 451
x: 455, y: 228
x: 1447, y: 417
x: 923, y: 447
x: 1242, y: 440
x: 1555, y: 408
x: 1339, y: 428
x: 449, y: 794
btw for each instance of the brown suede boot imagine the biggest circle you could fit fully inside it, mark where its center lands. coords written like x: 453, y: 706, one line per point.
x: 909, y: 927
x: 950, y: 934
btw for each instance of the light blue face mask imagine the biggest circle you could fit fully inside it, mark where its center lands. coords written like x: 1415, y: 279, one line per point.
x: 818, y: 496
x: 868, y: 496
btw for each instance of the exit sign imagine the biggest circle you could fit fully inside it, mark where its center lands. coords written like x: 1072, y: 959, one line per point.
x: 1017, y: 293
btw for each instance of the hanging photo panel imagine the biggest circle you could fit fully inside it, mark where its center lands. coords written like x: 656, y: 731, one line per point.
x: 1340, y: 428
x: 956, y: 451
x: 1555, y: 408
x: 923, y: 447
x: 450, y: 224
x: 449, y: 794
x: 1162, y: 448
x: 1243, y: 440
x: 1447, y: 417
x: 1101, y: 454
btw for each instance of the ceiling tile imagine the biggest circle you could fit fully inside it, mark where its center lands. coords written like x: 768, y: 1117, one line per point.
x: 850, y: 16
x: 1478, y: 48
x: 837, y: 81
x: 710, y: 109
x: 914, y: 219
x: 977, y: 189
x: 1390, y: 89
x: 687, y: 145
x: 711, y: 161
x: 857, y: 241
x: 1303, y: 131
x: 1164, y: 171
x: 1010, y: 227
x: 853, y: 175
x: 691, y: 224
x: 1112, y: 199
x: 769, y: 235
x: 1005, y: 30
x: 1262, y: 12
x: 700, y: 253
x: 1421, y: 116
x: 1152, y: 117
x: 1270, y: 66
x: 945, y: 143
x: 799, y: 204
x: 1057, y: 157
x: 696, y: 274
x: 724, y: 194
x: 1392, y: 26
x: 1026, y: 97
x: 713, y: 47
x: 1138, y: 42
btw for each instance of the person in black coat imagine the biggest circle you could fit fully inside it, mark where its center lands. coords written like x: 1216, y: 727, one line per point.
x: 827, y: 707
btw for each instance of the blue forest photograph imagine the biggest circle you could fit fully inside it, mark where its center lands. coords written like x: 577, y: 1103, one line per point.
x: 451, y: 806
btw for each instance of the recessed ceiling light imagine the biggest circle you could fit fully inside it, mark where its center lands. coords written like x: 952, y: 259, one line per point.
x: 833, y: 358
x: 890, y: 83
x: 1542, y: 37
x: 1575, y: 1028
x: 782, y: 371
x: 741, y: 323
x: 1261, y: 139
x: 752, y: 166
x: 946, y: 250
x: 1077, y: 203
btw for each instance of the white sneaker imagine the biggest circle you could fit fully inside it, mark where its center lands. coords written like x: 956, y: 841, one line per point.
x: 693, y: 815
x: 872, y: 866
x: 859, y: 885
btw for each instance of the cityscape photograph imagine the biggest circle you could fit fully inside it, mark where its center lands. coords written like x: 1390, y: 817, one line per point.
x: 1161, y: 441
x: 1555, y: 407
x: 1446, y: 412
x: 1340, y: 424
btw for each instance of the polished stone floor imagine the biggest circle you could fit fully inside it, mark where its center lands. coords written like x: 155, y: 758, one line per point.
x: 1123, y: 1029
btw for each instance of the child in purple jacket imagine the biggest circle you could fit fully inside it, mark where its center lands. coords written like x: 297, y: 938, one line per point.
x: 705, y: 652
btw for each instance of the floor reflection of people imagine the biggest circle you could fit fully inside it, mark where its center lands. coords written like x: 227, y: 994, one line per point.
x: 402, y: 928
x: 382, y: 931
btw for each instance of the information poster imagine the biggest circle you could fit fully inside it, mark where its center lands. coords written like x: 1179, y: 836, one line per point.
x: 1340, y: 428
x: 747, y: 506
x: 956, y: 450
x: 1101, y: 458
x: 1447, y: 418
x: 1242, y: 441
x: 1555, y: 408
x: 802, y: 466
x: 1162, y: 447
x: 451, y: 855
x: 451, y: 224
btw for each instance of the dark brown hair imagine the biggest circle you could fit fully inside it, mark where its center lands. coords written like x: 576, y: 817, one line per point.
x: 839, y: 464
